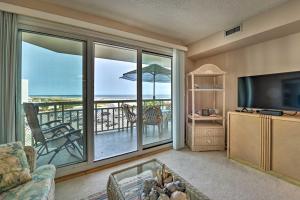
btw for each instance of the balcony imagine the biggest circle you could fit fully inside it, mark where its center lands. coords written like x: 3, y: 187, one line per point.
x: 113, y: 135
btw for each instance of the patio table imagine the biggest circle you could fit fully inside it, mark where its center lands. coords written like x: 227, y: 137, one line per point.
x: 166, y: 113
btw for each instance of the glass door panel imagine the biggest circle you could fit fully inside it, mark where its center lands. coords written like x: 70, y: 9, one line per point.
x: 115, y: 101
x: 52, y: 98
x: 157, y: 102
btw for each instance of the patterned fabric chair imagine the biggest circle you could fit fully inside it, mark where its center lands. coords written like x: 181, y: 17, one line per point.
x: 130, y: 116
x: 41, y: 186
x: 153, y: 116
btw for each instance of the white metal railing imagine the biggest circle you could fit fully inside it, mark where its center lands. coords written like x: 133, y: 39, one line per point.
x: 108, y: 114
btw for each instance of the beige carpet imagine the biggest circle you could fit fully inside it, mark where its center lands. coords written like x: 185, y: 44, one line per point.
x: 211, y: 172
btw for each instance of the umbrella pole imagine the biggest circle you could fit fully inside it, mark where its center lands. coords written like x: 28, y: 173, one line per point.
x: 154, y: 86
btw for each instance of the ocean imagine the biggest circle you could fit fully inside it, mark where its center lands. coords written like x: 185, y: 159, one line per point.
x: 102, y: 97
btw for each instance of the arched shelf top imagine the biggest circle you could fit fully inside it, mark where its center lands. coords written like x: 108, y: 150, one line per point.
x: 207, y: 70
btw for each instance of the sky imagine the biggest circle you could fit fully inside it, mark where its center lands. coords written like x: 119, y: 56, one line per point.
x: 52, y: 73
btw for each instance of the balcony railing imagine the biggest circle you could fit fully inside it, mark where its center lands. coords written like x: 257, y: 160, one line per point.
x: 108, y: 114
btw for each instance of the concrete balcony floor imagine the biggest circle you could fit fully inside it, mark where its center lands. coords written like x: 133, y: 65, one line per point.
x: 110, y: 144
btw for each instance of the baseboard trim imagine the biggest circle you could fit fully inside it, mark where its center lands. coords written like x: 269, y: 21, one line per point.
x: 103, y: 167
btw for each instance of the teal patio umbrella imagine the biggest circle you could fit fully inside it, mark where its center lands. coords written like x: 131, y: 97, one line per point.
x: 152, y: 73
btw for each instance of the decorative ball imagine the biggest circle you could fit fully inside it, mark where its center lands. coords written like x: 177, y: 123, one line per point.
x: 168, y: 179
x: 153, y: 195
x: 177, y: 195
x: 163, y: 197
x: 180, y: 186
x: 167, y: 192
x: 148, y: 185
x: 171, y: 187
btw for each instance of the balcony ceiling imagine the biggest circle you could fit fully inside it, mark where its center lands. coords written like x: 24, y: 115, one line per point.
x: 184, y: 20
x: 72, y: 47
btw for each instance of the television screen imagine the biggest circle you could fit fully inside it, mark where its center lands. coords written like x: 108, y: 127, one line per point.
x: 272, y: 91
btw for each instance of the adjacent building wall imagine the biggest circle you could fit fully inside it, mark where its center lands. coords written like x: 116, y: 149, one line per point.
x: 274, y: 56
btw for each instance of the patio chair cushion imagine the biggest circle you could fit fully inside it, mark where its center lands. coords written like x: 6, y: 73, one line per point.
x: 39, y: 188
x: 14, y: 168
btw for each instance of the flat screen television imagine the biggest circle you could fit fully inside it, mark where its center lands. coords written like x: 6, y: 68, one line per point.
x: 272, y: 91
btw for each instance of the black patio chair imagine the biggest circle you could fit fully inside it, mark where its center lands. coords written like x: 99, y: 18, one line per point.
x: 52, y: 136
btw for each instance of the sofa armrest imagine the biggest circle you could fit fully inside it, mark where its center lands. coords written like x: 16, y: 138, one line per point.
x: 31, y: 157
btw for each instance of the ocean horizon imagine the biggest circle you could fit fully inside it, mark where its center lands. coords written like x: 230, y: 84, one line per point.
x: 102, y: 96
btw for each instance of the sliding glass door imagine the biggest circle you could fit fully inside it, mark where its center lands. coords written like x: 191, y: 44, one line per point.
x: 52, y: 98
x: 157, y: 99
x: 115, y: 101
x: 126, y: 99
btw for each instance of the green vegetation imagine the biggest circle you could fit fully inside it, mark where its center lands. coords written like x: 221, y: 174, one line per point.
x: 52, y: 103
x: 55, y: 99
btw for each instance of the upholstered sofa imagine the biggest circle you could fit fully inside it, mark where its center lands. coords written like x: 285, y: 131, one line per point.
x: 42, y: 185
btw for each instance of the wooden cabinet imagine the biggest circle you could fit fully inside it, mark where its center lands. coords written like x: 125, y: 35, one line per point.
x: 205, y: 136
x: 245, y: 144
x: 285, y: 159
x: 269, y: 143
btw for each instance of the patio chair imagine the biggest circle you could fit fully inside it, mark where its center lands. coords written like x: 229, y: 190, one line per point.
x: 130, y: 116
x: 153, y: 116
x: 52, y: 136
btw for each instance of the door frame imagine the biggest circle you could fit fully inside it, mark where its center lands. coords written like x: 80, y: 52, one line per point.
x: 51, y: 33
x: 89, y: 38
x: 139, y: 87
x: 151, y: 145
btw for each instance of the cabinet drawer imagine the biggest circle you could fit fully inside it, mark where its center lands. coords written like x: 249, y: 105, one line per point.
x: 211, y: 132
x: 209, y: 136
x: 205, y: 137
x: 210, y: 140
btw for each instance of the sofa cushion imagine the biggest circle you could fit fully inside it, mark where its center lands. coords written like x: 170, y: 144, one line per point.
x: 14, y: 168
x: 38, y: 189
x: 44, y: 172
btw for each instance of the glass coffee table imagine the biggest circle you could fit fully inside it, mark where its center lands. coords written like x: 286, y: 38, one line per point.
x: 127, y: 184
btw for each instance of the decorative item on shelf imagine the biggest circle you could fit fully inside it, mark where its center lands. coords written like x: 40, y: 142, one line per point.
x: 211, y: 111
x: 196, y: 86
x: 205, y: 112
x: 217, y: 111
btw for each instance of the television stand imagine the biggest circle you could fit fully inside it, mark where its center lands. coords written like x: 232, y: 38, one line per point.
x: 270, y: 143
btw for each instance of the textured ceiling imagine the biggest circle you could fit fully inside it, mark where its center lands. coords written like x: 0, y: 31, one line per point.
x: 185, y: 20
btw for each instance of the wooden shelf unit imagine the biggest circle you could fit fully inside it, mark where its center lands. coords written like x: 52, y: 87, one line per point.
x: 205, y: 133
